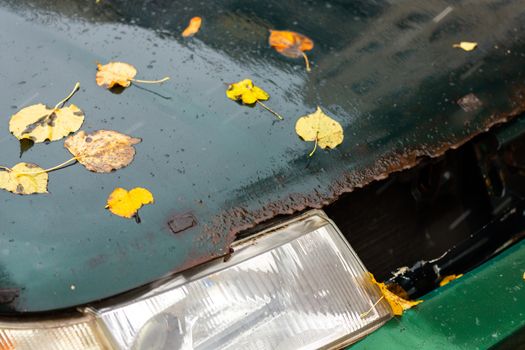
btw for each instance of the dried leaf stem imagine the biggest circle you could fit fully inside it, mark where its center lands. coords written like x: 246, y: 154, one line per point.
x: 315, y: 146
x: 61, y: 103
x: 363, y: 315
x: 150, y: 81
x: 59, y: 166
x: 316, y: 139
x: 307, y: 62
x: 270, y: 110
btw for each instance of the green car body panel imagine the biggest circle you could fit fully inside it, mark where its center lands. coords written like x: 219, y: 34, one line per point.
x: 485, y: 308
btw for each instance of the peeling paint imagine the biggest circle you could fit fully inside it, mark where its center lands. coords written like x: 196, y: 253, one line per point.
x: 182, y: 222
x: 8, y: 295
x: 236, y: 220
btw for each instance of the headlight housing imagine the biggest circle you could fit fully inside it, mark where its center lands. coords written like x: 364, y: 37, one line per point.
x: 298, y: 285
x: 62, y: 333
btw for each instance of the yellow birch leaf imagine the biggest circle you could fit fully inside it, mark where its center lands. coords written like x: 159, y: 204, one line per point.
x: 115, y: 74
x: 102, y: 151
x: 320, y: 128
x: 127, y: 203
x: 24, y: 178
x: 397, y: 303
x: 466, y: 45
x: 246, y: 92
x: 41, y: 123
x: 447, y: 279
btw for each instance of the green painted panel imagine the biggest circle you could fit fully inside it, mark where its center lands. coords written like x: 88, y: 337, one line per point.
x: 476, y: 311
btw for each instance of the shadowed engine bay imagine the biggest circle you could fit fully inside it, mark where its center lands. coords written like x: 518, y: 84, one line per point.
x: 445, y: 216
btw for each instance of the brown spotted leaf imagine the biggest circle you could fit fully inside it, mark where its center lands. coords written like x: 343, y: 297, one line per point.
x: 102, y: 151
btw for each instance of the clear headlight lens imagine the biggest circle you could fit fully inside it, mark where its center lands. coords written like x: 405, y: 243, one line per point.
x: 298, y: 286
x: 295, y: 286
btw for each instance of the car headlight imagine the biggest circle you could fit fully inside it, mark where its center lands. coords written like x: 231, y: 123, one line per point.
x: 295, y: 286
x: 64, y: 333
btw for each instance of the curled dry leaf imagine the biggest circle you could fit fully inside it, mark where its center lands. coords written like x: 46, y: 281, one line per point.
x: 246, y: 92
x: 397, y: 303
x: 320, y: 128
x: 193, y: 27
x: 127, y: 203
x: 466, y: 45
x: 24, y: 178
x: 447, y: 279
x: 40, y: 123
x: 291, y: 44
x: 103, y: 150
x: 115, y: 73
x: 119, y: 74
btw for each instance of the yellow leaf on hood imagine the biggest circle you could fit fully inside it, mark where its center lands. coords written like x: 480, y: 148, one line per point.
x: 115, y: 73
x: 102, y: 151
x: 24, y: 178
x: 320, y: 128
x: 247, y: 93
x: 127, y: 203
x: 41, y: 123
x: 466, y: 45
x: 193, y: 27
x: 397, y: 303
x: 120, y: 74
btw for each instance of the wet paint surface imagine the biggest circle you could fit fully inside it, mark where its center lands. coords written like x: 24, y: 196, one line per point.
x: 387, y: 73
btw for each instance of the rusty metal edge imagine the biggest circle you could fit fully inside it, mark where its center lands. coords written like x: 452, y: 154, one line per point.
x: 227, y: 225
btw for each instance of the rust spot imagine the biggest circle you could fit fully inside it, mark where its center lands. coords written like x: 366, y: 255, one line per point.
x: 226, y: 225
x: 196, y: 261
x: 228, y: 256
x: 8, y: 295
x: 182, y: 222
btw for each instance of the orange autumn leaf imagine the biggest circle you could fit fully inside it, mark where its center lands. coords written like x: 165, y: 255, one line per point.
x: 193, y: 27
x: 291, y: 44
x: 397, y: 303
x: 447, y: 279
